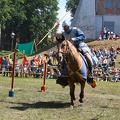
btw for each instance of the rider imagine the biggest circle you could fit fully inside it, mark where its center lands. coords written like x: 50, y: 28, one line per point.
x: 77, y: 37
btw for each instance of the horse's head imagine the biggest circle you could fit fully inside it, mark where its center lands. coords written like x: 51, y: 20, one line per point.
x: 68, y: 53
x: 62, y: 50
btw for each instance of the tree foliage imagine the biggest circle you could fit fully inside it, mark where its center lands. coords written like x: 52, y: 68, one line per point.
x: 72, y: 4
x: 27, y: 18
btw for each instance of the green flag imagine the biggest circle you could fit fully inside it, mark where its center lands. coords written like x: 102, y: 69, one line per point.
x: 27, y: 48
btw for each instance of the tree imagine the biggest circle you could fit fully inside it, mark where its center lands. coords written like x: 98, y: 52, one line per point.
x: 72, y: 4
x: 27, y: 18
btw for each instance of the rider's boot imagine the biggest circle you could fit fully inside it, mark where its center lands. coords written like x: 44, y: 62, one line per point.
x: 90, y: 78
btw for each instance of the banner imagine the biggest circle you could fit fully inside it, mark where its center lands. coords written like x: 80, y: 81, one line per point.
x: 27, y: 48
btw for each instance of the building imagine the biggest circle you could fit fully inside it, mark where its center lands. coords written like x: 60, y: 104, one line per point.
x: 92, y: 15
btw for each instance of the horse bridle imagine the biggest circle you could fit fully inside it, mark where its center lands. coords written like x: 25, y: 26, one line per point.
x: 66, y: 50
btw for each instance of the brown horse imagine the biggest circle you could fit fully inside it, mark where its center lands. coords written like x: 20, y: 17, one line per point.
x: 75, y: 64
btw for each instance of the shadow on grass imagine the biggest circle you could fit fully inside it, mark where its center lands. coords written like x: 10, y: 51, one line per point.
x: 42, y: 105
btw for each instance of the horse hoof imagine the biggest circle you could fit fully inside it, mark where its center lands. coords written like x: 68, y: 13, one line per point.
x: 80, y: 100
x: 74, y: 99
x: 71, y: 106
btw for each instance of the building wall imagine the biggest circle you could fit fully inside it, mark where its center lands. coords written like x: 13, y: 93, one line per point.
x: 98, y: 26
x: 85, y: 19
x: 91, y: 15
x: 101, y: 10
x: 107, y: 14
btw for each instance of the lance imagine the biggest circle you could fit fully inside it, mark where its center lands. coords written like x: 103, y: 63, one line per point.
x: 53, y: 28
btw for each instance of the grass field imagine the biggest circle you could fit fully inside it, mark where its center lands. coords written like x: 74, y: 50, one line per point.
x: 101, y: 103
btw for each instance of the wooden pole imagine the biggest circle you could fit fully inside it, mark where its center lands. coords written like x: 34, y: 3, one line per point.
x: 13, y: 71
x: 11, y: 93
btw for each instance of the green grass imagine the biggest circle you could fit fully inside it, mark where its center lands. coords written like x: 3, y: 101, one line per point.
x: 29, y: 103
x: 101, y: 103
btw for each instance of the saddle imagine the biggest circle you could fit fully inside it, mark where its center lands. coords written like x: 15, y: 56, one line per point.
x: 87, y: 64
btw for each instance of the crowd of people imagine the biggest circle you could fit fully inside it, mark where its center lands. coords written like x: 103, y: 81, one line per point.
x: 106, y: 34
x: 33, y: 67
x: 106, y: 69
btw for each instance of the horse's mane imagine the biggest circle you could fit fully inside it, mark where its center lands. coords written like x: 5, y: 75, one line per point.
x: 72, y: 47
x: 74, y: 55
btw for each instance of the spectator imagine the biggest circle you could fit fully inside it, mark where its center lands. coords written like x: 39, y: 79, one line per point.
x: 112, y: 49
x: 17, y: 65
x: 50, y: 61
x: 112, y: 62
x: 3, y: 70
x: 24, y: 71
x: 106, y: 76
x: 101, y: 35
x: 114, y: 36
x: 114, y: 70
x: 108, y: 69
x: 39, y: 73
x: 99, y: 73
x: 113, y: 52
x: 6, y: 64
x: 34, y: 67
x: 39, y: 59
x: 105, y: 32
x: 118, y: 50
x: 54, y: 55
x: 109, y: 36
x: 104, y: 64
x: 117, y: 37
x: 114, y: 78
x: 49, y: 72
x: 118, y: 73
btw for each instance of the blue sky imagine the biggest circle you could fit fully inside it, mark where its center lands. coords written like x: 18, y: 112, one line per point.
x: 62, y: 12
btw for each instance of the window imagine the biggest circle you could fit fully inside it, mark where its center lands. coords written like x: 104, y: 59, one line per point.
x: 118, y: 3
x: 109, y: 3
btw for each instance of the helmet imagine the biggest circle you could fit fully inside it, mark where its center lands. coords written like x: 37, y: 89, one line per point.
x: 65, y: 24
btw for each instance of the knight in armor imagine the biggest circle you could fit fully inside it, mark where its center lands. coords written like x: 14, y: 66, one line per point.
x: 77, y: 37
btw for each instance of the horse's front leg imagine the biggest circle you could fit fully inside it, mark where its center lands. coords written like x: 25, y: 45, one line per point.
x: 82, y: 91
x: 72, y: 95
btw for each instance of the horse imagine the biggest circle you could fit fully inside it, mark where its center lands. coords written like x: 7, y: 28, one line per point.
x: 75, y: 64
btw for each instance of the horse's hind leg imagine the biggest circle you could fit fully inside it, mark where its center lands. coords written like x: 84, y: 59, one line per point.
x: 82, y: 92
